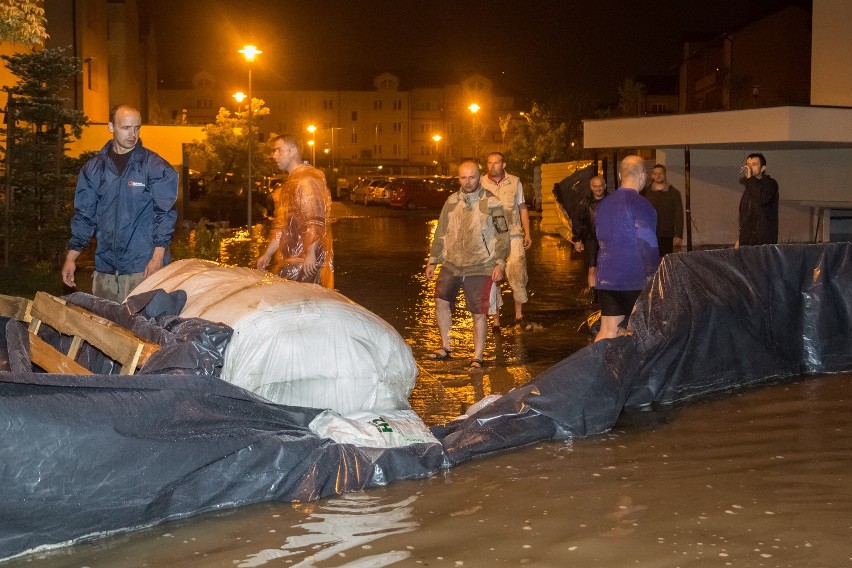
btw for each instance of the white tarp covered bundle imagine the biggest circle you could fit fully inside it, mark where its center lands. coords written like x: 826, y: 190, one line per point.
x: 294, y: 343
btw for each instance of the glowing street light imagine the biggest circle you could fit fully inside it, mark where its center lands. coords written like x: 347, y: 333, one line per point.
x: 312, y: 129
x: 250, y: 52
x: 437, y: 138
x: 239, y: 96
x: 474, y: 108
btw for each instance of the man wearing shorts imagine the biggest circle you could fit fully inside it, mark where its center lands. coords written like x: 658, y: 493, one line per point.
x: 471, y: 243
x: 626, y: 227
x: 511, y: 193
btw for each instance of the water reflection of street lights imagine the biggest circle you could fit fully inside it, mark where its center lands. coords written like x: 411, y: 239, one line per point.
x: 474, y: 108
x: 437, y: 138
x: 250, y: 52
x: 312, y: 143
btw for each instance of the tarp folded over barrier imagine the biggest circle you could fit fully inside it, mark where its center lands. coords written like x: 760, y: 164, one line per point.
x: 83, y: 455
x: 709, y: 321
x: 87, y: 455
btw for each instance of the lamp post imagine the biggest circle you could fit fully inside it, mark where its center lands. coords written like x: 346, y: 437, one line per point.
x: 474, y: 108
x: 249, y: 51
x: 312, y: 143
x: 437, y: 138
x: 239, y: 96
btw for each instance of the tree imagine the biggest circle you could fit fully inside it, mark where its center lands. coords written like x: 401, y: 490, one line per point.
x: 225, y: 149
x: 40, y: 205
x: 550, y: 132
x: 23, y: 22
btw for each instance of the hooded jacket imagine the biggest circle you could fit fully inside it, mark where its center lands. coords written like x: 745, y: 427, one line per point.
x: 129, y: 214
x: 472, y: 236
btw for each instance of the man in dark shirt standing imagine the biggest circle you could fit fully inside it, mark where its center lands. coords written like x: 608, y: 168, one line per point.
x: 125, y: 199
x: 759, y: 204
x: 669, y: 206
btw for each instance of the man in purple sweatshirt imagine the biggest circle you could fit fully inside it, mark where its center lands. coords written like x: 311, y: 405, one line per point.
x: 626, y: 227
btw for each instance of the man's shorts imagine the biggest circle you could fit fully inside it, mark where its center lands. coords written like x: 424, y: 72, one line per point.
x: 115, y: 287
x: 617, y: 302
x: 477, y: 290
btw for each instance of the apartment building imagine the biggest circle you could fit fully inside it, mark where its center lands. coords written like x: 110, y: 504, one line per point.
x: 424, y: 127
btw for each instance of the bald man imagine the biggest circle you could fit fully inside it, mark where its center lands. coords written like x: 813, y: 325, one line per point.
x: 626, y: 228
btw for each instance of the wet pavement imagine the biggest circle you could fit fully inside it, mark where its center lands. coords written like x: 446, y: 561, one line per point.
x: 754, y: 478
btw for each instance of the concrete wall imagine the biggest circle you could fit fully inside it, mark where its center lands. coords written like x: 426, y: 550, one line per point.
x: 167, y: 141
x: 807, y: 179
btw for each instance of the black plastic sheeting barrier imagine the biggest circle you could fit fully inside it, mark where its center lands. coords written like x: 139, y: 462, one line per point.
x: 84, y: 456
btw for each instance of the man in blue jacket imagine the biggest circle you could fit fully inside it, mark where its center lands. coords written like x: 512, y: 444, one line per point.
x: 125, y: 198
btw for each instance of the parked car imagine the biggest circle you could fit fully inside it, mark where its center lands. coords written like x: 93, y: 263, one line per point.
x: 378, y: 193
x: 225, y: 184
x: 197, y: 184
x: 358, y: 193
x: 418, y: 193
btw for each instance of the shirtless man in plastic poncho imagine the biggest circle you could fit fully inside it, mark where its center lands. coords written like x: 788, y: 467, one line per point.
x: 301, y: 233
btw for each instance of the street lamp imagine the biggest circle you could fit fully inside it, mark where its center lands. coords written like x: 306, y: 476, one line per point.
x: 474, y: 108
x: 437, y: 138
x: 250, y: 51
x: 312, y: 143
x: 239, y: 96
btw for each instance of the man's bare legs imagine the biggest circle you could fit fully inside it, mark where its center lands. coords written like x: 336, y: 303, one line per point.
x: 444, y: 315
x: 480, y: 329
x: 609, y: 327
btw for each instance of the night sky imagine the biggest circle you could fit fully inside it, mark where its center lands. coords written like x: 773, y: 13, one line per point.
x: 534, y: 47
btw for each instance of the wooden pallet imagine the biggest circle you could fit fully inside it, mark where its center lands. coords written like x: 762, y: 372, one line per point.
x: 116, y: 342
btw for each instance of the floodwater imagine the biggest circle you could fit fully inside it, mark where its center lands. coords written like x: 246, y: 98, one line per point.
x: 757, y: 478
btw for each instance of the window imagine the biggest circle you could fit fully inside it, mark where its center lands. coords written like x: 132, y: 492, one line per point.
x: 451, y: 128
x: 328, y: 104
x: 397, y: 104
x: 377, y: 149
x: 396, y: 150
x: 378, y: 127
x: 397, y: 127
x: 354, y: 137
x: 426, y: 150
x: 377, y: 104
x: 354, y: 116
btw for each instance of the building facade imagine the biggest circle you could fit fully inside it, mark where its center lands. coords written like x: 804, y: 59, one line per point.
x: 417, y: 130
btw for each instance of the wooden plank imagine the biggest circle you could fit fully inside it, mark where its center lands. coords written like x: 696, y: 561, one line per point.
x: 51, y: 360
x: 15, y: 307
x: 115, y: 341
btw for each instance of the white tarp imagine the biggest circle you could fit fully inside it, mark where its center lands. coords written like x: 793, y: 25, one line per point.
x: 294, y: 343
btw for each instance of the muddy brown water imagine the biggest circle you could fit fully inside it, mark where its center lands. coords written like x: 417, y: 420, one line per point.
x: 753, y: 478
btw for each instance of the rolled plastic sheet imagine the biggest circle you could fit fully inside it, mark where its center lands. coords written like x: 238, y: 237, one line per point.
x: 295, y: 343
x: 86, y: 456
x: 188, y: 346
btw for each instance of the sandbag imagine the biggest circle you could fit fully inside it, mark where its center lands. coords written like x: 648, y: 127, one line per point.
x: 295, y: 343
